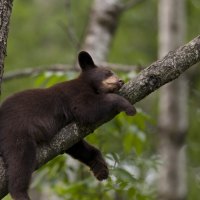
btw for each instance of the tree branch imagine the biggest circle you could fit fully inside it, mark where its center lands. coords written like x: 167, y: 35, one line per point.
x: 150, y: 79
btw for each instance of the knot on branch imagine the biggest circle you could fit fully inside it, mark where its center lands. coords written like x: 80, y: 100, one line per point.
x: 153, y: 82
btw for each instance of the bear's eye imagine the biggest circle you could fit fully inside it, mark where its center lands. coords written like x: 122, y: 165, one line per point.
x: 108, y: 73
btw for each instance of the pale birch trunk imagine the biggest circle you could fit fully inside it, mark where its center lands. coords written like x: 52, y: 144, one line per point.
x: 102, y: 25
x: 173, y: 122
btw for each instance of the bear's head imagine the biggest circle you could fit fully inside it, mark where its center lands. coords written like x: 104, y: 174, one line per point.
x: 102, y: 79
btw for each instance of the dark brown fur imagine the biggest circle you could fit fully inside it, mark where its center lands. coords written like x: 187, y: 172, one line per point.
x: 32, y: 117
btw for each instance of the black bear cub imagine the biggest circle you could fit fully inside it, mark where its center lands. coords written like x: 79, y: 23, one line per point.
x: 32, y: 117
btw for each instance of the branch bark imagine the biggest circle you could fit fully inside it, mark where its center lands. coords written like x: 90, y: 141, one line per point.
x: 5, y: 12
x: 157, y: 74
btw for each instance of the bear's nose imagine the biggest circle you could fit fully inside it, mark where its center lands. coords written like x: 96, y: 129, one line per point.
x: 121, y: 82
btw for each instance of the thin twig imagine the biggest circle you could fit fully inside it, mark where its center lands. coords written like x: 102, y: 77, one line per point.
x: 22, y: 73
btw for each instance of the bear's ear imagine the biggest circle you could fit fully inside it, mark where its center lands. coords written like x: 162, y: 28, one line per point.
x: 85, y: 61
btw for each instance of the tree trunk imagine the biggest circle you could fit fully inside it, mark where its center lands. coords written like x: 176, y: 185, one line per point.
x: 172, y: 125
x: 5, y: 12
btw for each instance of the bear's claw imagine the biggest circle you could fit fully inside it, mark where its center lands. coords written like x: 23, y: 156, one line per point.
x: 100, y: 169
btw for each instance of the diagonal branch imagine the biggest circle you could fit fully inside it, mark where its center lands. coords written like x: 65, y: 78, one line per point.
x: 157, y: 74
x: 162, y: 71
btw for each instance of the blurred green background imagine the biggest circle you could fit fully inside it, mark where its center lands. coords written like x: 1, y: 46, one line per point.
x: 38, y: 37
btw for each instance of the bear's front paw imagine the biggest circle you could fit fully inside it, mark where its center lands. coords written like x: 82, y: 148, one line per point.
x: 100, y: 169
x: 130, y: 111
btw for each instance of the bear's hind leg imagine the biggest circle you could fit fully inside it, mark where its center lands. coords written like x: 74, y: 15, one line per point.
x: 20, y: 161
x: 90, y: 156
